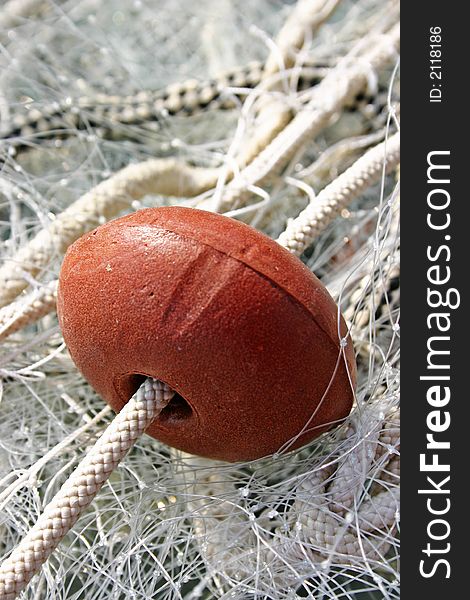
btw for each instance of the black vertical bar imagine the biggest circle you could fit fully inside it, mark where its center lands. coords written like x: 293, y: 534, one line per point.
x: 435, y: 249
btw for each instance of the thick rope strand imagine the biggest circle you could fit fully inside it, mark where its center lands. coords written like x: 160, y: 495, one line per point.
x: 80, y: 489
x: 14, y: 12
x: 367, y: 170
x: 274, y: 113
x: 340, y: 85
x: 27, y: 310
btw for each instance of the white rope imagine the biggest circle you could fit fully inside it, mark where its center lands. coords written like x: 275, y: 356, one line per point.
x: 305, y: 19
x: 27, y: 310
x: 326, y: 514
x: 274, y: 114
x: 368, y: 169
x: 328, y: 97
x: 15, y: 11
x: 82, y: 486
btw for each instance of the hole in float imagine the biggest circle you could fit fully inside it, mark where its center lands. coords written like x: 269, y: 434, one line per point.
x: 176, y: 410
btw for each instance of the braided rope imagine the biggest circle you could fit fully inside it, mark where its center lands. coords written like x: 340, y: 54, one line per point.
x: 274, y: 113
x: 328, y: 534
x: 325, y: 512
x: 304, y: 20
x: 147, y: 108
x: 386, y: 295
x: 319, y: 513
x: 79, y: 490
x: 14, y: 11
x: 187, y: 98
x: 31, y: 308
x: 368, y: 169
x: 328, y: 97
x: 169, y: 177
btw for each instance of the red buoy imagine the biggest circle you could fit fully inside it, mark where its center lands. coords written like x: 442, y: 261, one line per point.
x: 243, y: 332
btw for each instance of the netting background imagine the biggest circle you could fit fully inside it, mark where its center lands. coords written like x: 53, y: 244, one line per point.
x: 168, y: 525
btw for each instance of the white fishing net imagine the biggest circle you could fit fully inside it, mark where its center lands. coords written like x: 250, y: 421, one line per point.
x: 78, y: 91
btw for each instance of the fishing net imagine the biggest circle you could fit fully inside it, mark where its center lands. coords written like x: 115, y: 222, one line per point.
x: 200, y: 93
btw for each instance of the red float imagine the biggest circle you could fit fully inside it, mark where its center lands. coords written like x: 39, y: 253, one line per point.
x: 243, y: 332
